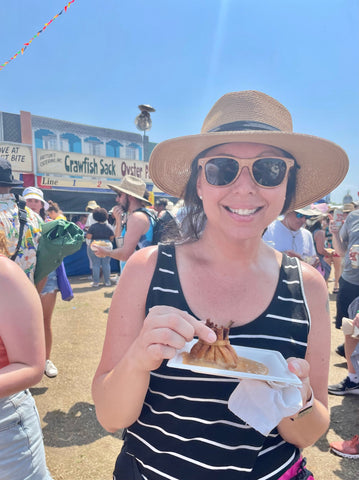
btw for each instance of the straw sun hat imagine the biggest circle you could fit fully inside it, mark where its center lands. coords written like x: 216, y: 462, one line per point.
x: 92, y: 204
x: 252, y: 116
x: 133, y: 186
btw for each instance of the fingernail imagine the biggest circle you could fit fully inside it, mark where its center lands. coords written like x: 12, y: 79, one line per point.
x: 211, y: 337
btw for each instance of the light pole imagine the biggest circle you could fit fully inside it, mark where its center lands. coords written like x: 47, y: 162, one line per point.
x: 143, y: 122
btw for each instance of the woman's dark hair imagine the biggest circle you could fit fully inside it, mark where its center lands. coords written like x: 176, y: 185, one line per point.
x: 315, y: 224
x: 195, y: 219
x: 42, y: 213
x: 100, y: 214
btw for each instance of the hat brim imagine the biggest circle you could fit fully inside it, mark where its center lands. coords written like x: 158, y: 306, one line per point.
x: 128, y: 192
x: 37, y: 197
x: 323, y: 164
x: 14, y: 183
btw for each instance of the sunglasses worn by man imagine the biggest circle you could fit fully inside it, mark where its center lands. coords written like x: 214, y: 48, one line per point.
x: 267, y: 172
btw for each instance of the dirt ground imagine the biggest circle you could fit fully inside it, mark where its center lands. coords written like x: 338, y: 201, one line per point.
x: 78, y: 448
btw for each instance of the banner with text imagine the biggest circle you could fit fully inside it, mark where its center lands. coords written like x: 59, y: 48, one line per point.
x: 83, y: 165
x: 18, y: 155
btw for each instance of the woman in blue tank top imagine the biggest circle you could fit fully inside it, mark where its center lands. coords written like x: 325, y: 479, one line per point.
x: 236, y: 177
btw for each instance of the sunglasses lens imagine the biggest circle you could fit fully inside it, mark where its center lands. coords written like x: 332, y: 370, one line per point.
x: 221, y: 171
x: 299, y: 215
x: 269, y: 172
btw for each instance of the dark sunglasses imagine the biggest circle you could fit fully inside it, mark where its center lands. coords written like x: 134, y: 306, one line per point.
x: 299, y: 215
x: 267, y: 172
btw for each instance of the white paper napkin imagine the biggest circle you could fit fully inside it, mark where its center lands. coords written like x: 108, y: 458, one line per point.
x: 263, y: 405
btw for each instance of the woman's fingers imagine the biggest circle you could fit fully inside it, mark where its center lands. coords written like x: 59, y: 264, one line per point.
x: 166, y: 330
x: 300, y: 367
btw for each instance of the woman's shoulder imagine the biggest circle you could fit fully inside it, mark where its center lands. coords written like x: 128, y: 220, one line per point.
x: 312, y: 279
x: 10, y: 272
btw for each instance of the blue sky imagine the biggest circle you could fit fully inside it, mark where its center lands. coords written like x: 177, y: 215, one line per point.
x: 96, y: 63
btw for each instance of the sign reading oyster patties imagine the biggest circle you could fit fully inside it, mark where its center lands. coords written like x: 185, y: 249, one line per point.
x: 82, y: 165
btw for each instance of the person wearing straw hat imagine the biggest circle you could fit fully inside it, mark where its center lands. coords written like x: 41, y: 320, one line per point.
x: 10, y: 222
x: 245, y: 168
x: 90, y: 207
x: 134, y: 227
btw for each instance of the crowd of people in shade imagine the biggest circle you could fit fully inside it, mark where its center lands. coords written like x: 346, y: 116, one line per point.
x: 249, y: 240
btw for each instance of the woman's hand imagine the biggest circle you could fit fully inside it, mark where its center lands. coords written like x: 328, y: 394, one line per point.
x: 166, y: 330
x: 300, y: 367
x: 100, y: 252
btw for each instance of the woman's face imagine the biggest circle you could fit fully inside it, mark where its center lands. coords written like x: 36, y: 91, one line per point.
x: 34, y: 204
x: 243, y: 204
x: 52, y: 214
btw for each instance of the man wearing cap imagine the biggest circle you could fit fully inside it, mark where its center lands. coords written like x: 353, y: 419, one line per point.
x: 10, y: 223
x: 136, y: 231
x: 289, y: 236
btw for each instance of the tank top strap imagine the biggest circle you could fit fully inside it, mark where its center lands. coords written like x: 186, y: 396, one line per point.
x: 165, y: 287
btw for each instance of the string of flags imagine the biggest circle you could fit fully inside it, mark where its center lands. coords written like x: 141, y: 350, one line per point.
x: 27, y: 44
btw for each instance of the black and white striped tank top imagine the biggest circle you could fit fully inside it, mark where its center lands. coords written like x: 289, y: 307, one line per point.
x: 185, y: 430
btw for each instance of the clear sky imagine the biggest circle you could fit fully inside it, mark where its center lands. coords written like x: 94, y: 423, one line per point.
x: 96, y: 63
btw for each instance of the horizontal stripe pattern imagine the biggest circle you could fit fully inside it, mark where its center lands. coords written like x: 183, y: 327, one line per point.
x: 185, y: 430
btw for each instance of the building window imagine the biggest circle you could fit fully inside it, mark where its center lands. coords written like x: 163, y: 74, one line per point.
x: 132, y: 151
x: 94, y: 145
x: 50, y: 142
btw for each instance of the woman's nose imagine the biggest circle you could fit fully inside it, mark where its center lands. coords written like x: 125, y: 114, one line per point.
x: 245, y: 180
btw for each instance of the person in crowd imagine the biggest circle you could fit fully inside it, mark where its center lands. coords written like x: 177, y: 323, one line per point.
x: 315, y: 227
x: 344, y: 236
x: 22, y: 359
x: 334, y: 258
x: 134, y: 227
x: 34, y: 199
x: 23, y: 248
x: 237, y: 176
x: 81, y: 222
x: 48, y: 294
x: 54, y: 211
x: 350, y: 384
x: 289, y: 235
x: 160, y: 206
x: 350, y: 448
x: 103, y: 232
x: 347, y: 208
x: 91, y: 205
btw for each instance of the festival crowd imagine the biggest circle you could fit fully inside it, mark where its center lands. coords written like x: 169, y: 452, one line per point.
x: 243, y: 258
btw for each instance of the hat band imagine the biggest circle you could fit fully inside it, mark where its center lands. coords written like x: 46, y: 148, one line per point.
x: 242, y: 125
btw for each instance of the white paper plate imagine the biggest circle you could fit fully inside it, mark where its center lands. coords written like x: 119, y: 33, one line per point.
x: 273, y: 360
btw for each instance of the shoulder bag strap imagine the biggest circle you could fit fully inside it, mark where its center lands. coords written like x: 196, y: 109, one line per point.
x: 23, y: 220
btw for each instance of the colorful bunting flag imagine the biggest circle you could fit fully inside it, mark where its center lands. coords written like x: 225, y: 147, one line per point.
x: 22, y: 50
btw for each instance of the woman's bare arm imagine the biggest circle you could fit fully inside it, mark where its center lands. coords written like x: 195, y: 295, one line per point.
x: 135, y: 345
x: 314, y: 370
x: 21, y: 330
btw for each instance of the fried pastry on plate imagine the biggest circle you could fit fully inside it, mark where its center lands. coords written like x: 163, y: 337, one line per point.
x: 221, y: 354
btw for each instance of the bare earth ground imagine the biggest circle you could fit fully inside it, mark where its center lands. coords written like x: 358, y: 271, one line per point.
x: 78, y: 448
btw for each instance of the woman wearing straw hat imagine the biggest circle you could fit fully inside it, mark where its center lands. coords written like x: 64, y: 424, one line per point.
x: 244, y: 169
